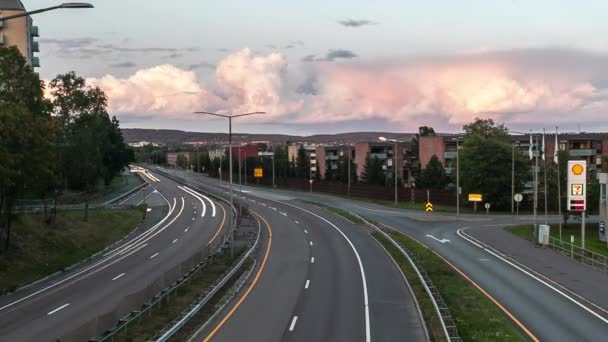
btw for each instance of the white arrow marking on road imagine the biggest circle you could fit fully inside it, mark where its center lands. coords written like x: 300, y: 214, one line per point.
x: 59, y: 308
x: 118, y: 276
x: 436, y: 239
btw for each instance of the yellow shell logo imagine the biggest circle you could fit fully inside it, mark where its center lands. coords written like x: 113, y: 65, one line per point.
x: 578, y: 169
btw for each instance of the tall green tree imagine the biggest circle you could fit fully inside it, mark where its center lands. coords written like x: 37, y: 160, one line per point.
x: 485, y: 163
x: 373, y: 172
x: 433, y: 176
x: 26, y: 136
x: 302, y: 163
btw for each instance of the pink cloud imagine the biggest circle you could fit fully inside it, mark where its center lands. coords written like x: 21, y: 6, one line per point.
x: 516, y: 86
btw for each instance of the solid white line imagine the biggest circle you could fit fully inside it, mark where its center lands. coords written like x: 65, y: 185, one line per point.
x: 542, y: 282
x: 363, y: 279
x: 174, y: 241
x: 312, y: 260
x: 153, y: 255
x: 293, y: 323
x: 213, y: 209
x: 59, y: 308
x: 118, y: 276
x: 187, y: 190
x: 307, y: 284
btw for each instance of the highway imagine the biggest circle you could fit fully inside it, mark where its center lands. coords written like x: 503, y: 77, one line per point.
x: 82, y: 303
x: 324, y: 279
x: 540, y: 312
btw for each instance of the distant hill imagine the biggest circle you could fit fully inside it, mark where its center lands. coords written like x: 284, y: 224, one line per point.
x: 176, y: 137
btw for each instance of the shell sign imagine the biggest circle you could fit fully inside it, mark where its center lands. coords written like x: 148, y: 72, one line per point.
x: 577, y: 185
x: 578, y: 169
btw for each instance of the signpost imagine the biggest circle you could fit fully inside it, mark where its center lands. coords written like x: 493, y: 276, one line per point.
x: 475, y: 198
x: 577, y: 191
x: 429, y: 207
x: 258, y: 172
x: 518, y: 198
x: 487, y: 206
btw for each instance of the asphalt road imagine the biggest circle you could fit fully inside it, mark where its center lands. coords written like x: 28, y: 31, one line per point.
x: 83, y: 303
x: 325, y: 279
x: 545, y: 313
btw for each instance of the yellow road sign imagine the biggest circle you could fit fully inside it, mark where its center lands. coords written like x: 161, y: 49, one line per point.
x: 429, y: 207
x: 258, y: 173
x: 475, y: 198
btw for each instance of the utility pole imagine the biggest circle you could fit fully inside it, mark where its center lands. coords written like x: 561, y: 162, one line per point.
x: 230, y: 117
x: 512, y: 178
x: 545, y: 177
x: 310, y: 172
x: 240, y: 184
x: 348, y: 186
x: 535, y: 186
x: 559, y: 190
x: 395, y: 167
x: 273, y: 152
x: 458, y: 176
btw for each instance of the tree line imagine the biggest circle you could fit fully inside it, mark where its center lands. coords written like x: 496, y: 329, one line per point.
x: 48, y: 144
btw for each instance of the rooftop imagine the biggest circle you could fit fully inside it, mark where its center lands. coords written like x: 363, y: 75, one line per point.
x: 14, y: 5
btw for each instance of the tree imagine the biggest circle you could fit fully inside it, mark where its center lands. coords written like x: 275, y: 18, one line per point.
x: 432, y: 176
x: 485, y: 163
x: 373, y: 172
x: 26, y: 136
x: 302, y: 164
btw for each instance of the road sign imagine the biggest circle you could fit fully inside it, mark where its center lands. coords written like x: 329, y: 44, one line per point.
x: 475, y: 198
x: 577, y: 185
x: 263, y: 153
x: 258, y: 172
x: 428, y: 207
x: 487, y: 205
x: 518, y: 198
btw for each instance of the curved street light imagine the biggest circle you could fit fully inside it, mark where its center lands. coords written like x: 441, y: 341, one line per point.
x: 68, y: 5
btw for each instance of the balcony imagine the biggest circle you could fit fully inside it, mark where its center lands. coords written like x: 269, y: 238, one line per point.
x: 378, y: 155
x: 583, y: 152
x: 35, y: 47
x: 34, y: 31
x: 331, y: 157
x: 449, y: 170
x: 35, y: 62
x: 449, y: 155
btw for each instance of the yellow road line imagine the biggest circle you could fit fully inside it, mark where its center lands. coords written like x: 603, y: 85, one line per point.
x: 220, y: 228
x: 496, y: 302
x: 255, y: 280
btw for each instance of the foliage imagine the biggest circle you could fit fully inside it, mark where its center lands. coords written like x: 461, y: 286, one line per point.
x: 485, y: 163
x: 432, y: 176
x: 373, y: 172
x: 302, y: 166
x: 423, y: 131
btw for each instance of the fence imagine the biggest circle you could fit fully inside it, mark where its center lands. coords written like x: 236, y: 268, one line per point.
x: 595, y: 260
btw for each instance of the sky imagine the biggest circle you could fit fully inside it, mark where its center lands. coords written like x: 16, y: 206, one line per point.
x: 337, y: 66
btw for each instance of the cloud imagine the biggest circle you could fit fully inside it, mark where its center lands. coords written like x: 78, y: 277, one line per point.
x: 356, y: 22
x: 519, y: 87
x: 89, y: 47
x: 201, y: 65
x: 331, y: 56
x: 123, y: 65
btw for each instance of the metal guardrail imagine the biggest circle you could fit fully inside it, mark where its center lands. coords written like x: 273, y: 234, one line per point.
x: 585, y: 256
x: 447, y: 323
x: 191, y: 312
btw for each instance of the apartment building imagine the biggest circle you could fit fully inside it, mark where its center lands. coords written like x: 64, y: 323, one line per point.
x: 19, y: 32
x: 331, y: 156
x: 385, y: 152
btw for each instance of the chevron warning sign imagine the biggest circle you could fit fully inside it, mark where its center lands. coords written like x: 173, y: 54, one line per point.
x: 429, y: 207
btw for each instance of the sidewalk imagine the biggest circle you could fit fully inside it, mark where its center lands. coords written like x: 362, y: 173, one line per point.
x: 579, y: 278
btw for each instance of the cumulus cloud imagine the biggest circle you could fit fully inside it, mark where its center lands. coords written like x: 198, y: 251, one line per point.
x: 356, y: 22
x: 522, y: 86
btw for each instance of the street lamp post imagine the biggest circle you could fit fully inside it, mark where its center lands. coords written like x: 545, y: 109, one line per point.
x: 230, y: 117
x: 394, y: 164
x: 349, y: 161
x: 67, y: 5
x: 457, y: 176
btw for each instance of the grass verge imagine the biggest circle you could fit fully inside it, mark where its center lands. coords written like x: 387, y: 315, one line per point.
x: 592, y: 241
x: 38, y: 249
x: 476, y: 317
x: 159, y: 317
x: 345, y: 214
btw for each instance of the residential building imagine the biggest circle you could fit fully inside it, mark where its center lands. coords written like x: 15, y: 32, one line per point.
x: 19, y: 32
x: 245, y: 151
x: 331, y: 156
x: 384, y: 151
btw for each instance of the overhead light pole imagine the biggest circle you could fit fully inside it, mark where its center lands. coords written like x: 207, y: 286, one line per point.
x: 457, y: 175
x: 67, y: 5
x: 394, y: 164
x: 230, y: 117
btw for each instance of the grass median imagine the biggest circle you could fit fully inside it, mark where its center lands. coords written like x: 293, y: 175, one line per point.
x: 345, y: 214
x: 592, y: 241
x: 476, y: 316
x: 38, y: 249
